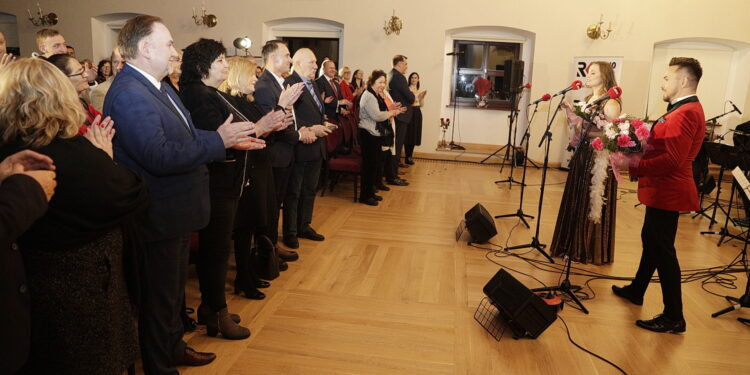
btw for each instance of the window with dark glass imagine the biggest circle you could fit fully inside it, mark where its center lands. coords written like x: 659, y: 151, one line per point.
x: 481, y: 59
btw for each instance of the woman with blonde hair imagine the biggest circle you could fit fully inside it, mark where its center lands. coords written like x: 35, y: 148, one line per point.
x: 588, y: 240
x: 82, y: 321
x: 258, y: 201
x: 345, y: 83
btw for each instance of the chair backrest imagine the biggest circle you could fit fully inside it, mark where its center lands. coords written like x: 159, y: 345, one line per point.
x: 333, y: 141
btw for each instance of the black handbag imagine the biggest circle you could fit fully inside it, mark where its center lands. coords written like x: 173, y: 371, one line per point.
x: 264, y: 258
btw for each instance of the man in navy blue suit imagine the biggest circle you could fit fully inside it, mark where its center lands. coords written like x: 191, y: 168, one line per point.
x: 157, y: 139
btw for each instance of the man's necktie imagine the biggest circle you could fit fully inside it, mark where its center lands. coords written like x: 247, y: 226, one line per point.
x: 314, y: 95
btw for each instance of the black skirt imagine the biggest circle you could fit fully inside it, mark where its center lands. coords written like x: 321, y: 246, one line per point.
x: 414, y: 131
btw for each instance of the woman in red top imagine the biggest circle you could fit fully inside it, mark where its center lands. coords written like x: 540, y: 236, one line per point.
x: 80, y: 78
x: 346, y: 87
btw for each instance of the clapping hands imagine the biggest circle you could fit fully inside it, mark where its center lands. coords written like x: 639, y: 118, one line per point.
x: 100, y: 134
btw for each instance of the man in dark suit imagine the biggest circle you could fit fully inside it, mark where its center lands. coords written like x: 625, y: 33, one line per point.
x: 27, y: 183
x: 665, y: 187
x: 156, y: 138
x: 268, y: 90
x: 399, y: 90
x: 308, y: 158
x: 334, y: 102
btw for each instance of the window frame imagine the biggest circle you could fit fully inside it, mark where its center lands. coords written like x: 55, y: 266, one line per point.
x: 493, y: 103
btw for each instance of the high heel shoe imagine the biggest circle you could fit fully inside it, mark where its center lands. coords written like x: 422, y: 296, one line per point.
x: 250, y: 292
x: 221, y: 322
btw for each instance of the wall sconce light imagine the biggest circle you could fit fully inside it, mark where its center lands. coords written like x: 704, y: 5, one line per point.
x: 394, y: 25
x: 594, y: 31
x: 209, y: 20
x: 42, y: 19
x: 242, y: 43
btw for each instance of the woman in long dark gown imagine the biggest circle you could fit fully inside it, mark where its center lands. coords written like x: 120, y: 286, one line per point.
x: 577, y: 235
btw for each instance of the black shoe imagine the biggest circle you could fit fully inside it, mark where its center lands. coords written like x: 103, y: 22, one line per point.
x: 398, y: 182
x: 401, y: 165
x: 369, y: 201
x: 188, y: 323
x: 377, y: 197
x: 382, y: 187
x: 311, y: 234
x: 661, y: 323
x: 250, y: 292
x: 624, y: 292
x: 262, y: 284
x: 282, y: 265
x: 410, y: 161
x: 287, y: 255
x: 291, y: 242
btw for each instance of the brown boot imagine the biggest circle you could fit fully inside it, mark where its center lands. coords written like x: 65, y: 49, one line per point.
x: 204, y: 314
x: 287, y: 255
x: 224, y: 324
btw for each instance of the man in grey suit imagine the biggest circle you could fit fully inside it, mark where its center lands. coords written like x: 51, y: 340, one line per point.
x: 268, y: 92
x: 399, y: 90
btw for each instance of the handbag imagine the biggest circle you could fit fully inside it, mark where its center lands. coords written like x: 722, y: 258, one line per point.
x: 264, y: 258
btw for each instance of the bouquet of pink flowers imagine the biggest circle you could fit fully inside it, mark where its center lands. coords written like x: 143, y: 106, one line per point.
x: 622, y: 135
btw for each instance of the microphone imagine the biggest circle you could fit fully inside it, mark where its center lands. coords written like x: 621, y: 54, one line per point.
x: 573, y: 86
x: 526, y: 86
x: 735, y: 108
x: 544, y: 98
x: 454, y: 53
x: 612, y: 93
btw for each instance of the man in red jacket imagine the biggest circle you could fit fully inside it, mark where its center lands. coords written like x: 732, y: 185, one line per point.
x: 665, y: 187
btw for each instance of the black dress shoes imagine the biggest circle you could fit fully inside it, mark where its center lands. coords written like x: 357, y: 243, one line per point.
x: 377, y: 197
x: 282, y: 265
x: 409, y: 161
x: 262, y: 284
x: 626, y: 293
x: 402, y: 165
x: 311, y: 234
x: 382, y: 187
x: 662, y: 323
x: 369, y: 201
x: 192, y: 358
x: 291, y: 242
x: 398, y: 182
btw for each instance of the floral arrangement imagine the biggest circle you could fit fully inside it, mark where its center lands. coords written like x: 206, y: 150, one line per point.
x: 622, y: 135
x: 482, y: 86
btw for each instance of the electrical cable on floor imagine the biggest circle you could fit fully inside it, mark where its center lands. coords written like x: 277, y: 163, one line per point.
x: 567, y: 330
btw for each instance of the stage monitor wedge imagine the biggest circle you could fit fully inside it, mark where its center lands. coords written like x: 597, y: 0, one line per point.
x: 524, y: 312
x: 480, y: 224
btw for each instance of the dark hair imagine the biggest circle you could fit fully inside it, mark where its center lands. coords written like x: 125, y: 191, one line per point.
x: 374, y: 76
x: 197, y: 59
x: 691, y: 66
x: 69, y: 46
x: 409, y: 81
x: 62, y: 62
x: 398, y: 58
x: 354, y: 78
x: 270, y: 47
x: 133, y: 32
x: 100, y: 72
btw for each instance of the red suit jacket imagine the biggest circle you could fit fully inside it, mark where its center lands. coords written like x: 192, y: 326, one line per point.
x: 665, y: 175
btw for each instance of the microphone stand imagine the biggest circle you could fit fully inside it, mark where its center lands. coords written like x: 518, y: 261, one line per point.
x: 535, y: 244
x: 453, y: 145
x: 565, y: 286
x: 510, y: 147
x: 526, y: 136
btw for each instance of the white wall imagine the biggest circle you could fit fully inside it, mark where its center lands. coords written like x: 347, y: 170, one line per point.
x: 558, y: 29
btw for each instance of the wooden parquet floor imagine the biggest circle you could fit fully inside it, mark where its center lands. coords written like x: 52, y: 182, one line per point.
x: 391, y: 292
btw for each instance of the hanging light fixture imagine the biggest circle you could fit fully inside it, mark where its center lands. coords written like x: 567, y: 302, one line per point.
x: 394, y: 25
x: 42, y: 19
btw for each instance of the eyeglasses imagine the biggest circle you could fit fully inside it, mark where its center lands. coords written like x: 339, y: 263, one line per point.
x: 78, y: 74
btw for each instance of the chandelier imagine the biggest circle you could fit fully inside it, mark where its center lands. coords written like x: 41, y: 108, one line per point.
x: 394, y: 25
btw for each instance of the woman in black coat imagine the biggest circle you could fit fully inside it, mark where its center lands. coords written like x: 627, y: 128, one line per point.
x: 81, y: 317
x: 258, y: 202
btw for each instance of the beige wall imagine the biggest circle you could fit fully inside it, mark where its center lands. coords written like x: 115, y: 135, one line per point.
x: 558, y: 27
